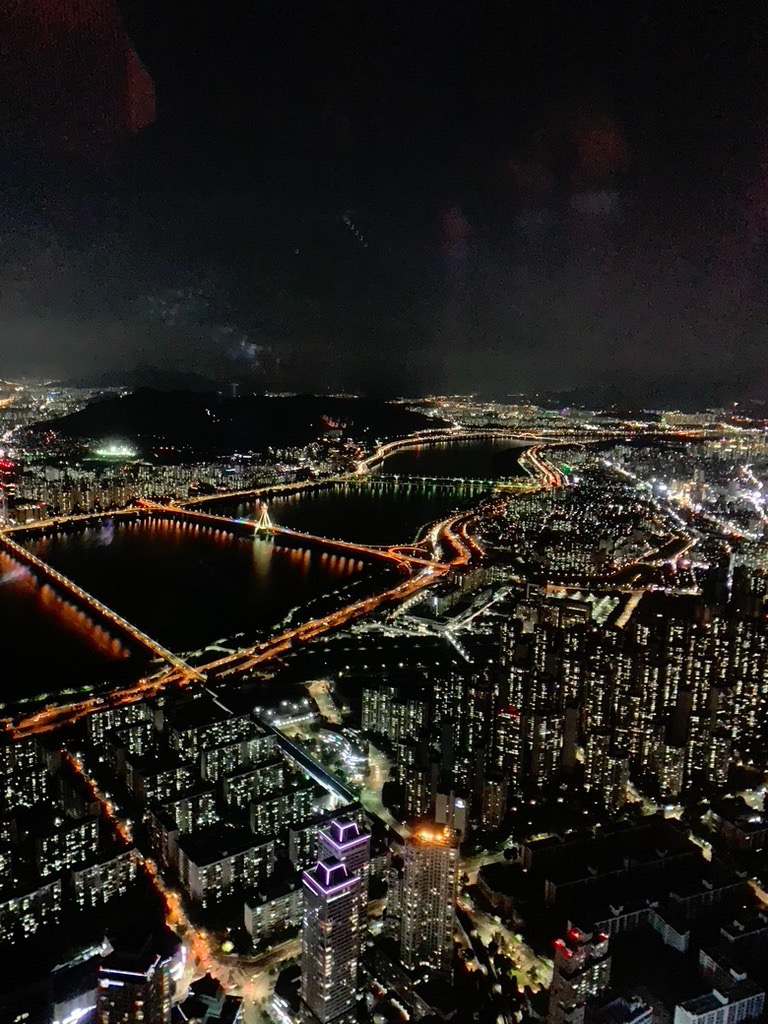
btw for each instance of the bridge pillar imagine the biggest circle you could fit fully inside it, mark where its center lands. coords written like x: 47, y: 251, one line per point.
x: 264, y: 522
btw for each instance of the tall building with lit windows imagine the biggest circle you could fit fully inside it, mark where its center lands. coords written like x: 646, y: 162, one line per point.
x: 345, y: 840
x: 582, y: 968
x: 330, y: 941
x: 135, y: 981
x: 430, y: 881
x: 508, y: 745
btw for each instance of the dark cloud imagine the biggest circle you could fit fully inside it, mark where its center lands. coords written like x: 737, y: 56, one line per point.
x: 394, y: 200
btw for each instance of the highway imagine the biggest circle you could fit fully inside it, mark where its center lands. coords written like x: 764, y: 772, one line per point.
x: 56, y: 523
x: 442, y: 435
x: 249, y: 658
x: 543, y: 471
x: 24, y: 557
x: 50, y: 718
x: 390, y: 554
x: 454, y: 536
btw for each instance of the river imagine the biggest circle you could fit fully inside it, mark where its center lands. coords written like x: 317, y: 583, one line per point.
x: 191, y: 588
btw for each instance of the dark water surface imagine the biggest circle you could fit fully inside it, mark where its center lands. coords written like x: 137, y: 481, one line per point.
x: 456, y: 459
x: 48, y: 647
x: 188, y: 587
x: 375, y: 512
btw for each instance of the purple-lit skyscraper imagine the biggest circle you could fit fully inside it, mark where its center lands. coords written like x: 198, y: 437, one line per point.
x: 346, y: 841
x: 330, y: 940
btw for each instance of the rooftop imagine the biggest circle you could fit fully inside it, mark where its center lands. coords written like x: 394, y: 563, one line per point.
x: 622, y: 1011
x: 716, y: 999
x: 329, y: 876
x: 219, y: 842
x: 157, y: 761
x: 196, y: 712
x: 431, y: 834
x: 343, y: 834
x: 272, y: 890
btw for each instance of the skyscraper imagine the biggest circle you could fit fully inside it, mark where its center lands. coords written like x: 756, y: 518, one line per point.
x: 330, y: 940
x: 135, y: 981
x: 508, y: 745
x: 431, y: 859
x: 345, y: 840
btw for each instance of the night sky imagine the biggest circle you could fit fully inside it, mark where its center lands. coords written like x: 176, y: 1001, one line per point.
x: 391, y: 197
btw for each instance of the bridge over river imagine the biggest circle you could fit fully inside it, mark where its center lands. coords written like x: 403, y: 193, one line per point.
x: 452, y: 537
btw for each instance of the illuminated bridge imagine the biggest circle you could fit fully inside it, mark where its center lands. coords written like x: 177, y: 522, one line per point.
x: 62, y: 524
x: 449, y: 482
x: 406, y: 562
x: 354, y: 480
x: 45, y: 572
x: 441, y: 435
x: 452, y: 537
x: 267, y: 491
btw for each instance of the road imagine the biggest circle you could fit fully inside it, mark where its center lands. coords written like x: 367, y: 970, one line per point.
x: 320, y: 692
x: 24, y: 557
x: 453, y: 536
x: 370, y: 795
x: 493, y: 983
x: 55, y: 523
x: 248, y: 976
x: 531, y: 970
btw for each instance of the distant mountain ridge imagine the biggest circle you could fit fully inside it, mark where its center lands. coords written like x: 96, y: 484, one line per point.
x: 210, y: 423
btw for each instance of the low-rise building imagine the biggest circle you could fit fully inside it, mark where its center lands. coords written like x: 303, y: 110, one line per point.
x: 744, y: 1000
x: 740, y: 827
x: 208, y: 1003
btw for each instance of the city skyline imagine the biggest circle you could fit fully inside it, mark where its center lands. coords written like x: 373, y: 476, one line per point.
x: 383, y: 513
x: 516, y: 709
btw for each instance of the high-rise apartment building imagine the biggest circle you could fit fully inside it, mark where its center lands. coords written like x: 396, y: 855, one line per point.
x: 135, y: 982
x: 343, y: 839
x: 582, y: 968
x: 508, y: 745
x: 546, y: 747
x: 330, y: 941
x: 430, y: 880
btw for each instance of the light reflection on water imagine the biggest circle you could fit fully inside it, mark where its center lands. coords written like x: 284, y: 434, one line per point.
x: 185, y: 584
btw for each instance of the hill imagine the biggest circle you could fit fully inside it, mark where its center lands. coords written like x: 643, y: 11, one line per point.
x: 209, y: 424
